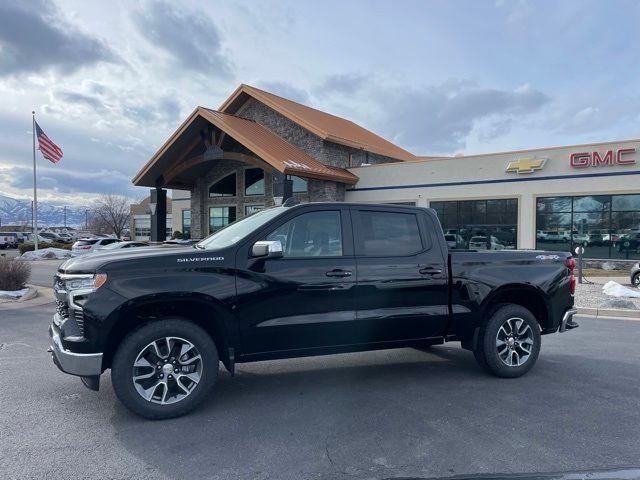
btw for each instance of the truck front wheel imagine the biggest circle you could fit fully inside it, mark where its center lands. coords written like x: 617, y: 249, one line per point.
x: 165, y: 368
x: 509, y: 342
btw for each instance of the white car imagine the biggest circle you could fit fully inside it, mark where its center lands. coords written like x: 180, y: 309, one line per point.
x: 454, y: 241
x: 88, y: 245
x: 480, y: 243
x: 119, y: 245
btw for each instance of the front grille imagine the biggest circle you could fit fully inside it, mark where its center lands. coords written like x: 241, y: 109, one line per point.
x: 62, y: 309
x: 58, y: 284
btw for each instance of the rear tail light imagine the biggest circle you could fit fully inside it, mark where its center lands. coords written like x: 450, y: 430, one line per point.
x: 571, y: 265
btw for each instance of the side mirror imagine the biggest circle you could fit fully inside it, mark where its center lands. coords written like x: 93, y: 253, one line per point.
x: 267, y: 249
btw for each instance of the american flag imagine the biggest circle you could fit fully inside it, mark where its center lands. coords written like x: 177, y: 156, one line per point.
x: 49, y: 150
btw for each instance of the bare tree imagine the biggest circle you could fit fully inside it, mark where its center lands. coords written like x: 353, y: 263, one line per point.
x: 112, y: 211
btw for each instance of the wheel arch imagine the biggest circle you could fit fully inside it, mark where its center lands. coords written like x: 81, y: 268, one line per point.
x: 527, y: 296
x: 207, y: 312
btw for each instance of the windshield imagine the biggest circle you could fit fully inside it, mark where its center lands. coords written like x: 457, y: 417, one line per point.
x: 236, y: 231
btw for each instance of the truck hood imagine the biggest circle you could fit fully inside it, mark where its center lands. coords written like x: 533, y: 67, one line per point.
x: 92, y: 262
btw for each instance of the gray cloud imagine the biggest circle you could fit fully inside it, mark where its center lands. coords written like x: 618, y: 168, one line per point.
x: 285, y: 90
x: 32, y: 39
x: 79, y: 98
x: 439, y: 118
x: 190, y: 38
x: 341, y: 84
x: 67, y: 181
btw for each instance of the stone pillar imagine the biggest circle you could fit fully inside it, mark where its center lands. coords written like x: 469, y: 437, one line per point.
x: 158, y: 206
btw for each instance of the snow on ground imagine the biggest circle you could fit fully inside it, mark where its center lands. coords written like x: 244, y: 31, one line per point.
x: 13, y: 293
x: 46, y: 253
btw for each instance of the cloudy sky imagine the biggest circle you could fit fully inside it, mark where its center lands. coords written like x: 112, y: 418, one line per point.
x: 111, y: 81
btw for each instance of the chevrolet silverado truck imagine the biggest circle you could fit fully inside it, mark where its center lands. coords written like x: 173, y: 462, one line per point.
x: 292, y: 281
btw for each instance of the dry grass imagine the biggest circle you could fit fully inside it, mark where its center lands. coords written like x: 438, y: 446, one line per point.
x: 13, y: 274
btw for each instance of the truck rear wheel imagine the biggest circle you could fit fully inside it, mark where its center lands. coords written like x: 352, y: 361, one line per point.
x: 165, y: 368
x: 509, y: 342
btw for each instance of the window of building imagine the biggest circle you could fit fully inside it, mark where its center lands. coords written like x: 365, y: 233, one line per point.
x: 252, y: 208
x: 380, y: 233
x: 313, y: 234
x: 299, y: 184
x: 254, y: 181
x: 492, y: 223
x: 221, y: 217
x: 225, y: 187
x: 604, y: 225
x: 186, y: 223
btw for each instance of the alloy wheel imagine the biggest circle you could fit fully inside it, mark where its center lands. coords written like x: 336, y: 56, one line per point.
x: 167, y: 370
x: 514, y: 342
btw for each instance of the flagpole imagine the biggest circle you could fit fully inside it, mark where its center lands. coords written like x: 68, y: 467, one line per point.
x: 35, y: 189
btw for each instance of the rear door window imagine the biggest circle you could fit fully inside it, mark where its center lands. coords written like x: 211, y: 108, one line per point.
x: 387, y: 234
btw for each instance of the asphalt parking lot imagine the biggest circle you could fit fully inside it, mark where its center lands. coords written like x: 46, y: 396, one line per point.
x: 397, y: 413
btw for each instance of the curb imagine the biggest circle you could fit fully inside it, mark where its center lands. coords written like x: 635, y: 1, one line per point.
x: 32, y: 293
x: 609, y: 312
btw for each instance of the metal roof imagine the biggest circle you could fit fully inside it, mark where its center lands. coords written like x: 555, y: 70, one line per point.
x: 265, y: 144
x: 326, y: 126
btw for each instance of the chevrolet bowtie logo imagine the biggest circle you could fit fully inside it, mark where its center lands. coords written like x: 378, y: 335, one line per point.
x: 526, y: 165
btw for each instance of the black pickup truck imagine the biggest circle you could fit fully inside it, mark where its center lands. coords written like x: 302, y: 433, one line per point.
x: 311, y: 279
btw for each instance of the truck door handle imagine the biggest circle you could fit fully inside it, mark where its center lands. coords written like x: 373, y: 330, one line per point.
x: 430, y: 271
x: 338, y: 273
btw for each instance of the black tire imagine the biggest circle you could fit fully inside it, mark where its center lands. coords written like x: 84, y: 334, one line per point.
x: 487, y: 352
x: 635, y: 281
x: 122, y: 369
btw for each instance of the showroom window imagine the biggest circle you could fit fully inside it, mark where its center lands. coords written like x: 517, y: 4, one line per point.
x: 606, y: 225
x: 226, y: 187
x: 186, y: 223
x: 221, y: 217
x: 299, y: 184
x: 488, y: 224
x: 254, y: 181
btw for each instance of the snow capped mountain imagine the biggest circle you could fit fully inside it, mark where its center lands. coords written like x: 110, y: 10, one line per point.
x: 14, y: 211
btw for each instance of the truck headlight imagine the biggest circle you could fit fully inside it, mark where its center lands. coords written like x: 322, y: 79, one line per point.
x: 85, y: 282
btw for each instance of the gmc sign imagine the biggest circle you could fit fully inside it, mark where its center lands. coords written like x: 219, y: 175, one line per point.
x: 594, y: 159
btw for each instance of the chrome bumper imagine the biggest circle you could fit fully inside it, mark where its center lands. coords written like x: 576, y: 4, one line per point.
x: 81, y: 364
x: 567, y: 323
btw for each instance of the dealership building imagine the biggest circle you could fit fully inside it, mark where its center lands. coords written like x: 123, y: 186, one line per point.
x: 227, y: 163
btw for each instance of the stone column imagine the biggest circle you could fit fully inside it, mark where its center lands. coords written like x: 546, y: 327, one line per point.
x: 158, y: 206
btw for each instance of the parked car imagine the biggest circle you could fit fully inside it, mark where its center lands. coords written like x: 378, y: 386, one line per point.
x: 66, y: 237
x: 635, y: 275
x: 177, y: 241
x: 295, y: 281
x: 551, y: 236
x: 88, y: 245
x: 119, y: 245
x: 4, y: 241
x: 50, y: 237
x: 485, y: 243
x: 630, y: 242
x: 453, y: 241
x: 580, y: 238
x: 10, y: 239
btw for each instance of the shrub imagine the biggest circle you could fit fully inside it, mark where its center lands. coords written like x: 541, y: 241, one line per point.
x: 29, y: 247
x: 177, y: 235
x: 13, y: 274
